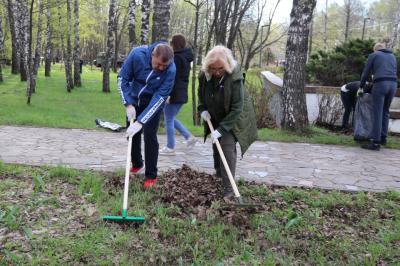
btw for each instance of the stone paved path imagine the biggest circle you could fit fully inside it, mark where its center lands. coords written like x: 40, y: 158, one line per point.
x: 289, y: 164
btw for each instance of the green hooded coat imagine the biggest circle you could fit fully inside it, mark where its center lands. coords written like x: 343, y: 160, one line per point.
x: 240, y: 118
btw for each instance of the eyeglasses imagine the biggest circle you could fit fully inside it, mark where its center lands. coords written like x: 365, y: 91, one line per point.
x: 216, y: 70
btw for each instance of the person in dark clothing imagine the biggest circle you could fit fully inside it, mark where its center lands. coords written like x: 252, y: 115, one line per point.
x: 145, y: 81
x: 179, y: 95
x: 382, y: 63
x: 348, y: 94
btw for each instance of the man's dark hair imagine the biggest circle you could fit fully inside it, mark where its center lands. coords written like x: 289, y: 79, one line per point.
x: 178, y: 42
x: 164, y: 52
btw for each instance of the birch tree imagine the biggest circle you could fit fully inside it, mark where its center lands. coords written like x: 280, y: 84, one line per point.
x: 49, y: 43
x: 15, y: 54
x: 22, y: 17
x: 197, y: 4
x: 132, y: 23
x: 1, y: 45
x: 293, y: 98
x: 77, y: 51
x: 109, y: 49
x: 64, y: 54
x: 68, y: 57
x: 161, y: 15
x: 395, y: 30
x: 118, y: 31
x: 38, y: 49
x: 144, y: 31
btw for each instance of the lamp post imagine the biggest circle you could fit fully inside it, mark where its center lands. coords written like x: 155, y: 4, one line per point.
x: 363, y: 30
x: 261, y: 41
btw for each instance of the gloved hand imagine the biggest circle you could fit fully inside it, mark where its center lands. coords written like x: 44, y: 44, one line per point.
x: 215, y: 136
x: 205, y: 115
x: 130, y: 112
x: 360, y: 92
x: 133, y: 129
x: 168, y: 100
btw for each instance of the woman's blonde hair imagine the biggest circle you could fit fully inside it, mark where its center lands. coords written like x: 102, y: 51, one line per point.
x: 379, y: 46
x: 222, y: 53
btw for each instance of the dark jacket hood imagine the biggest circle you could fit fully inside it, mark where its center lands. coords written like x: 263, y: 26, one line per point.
x: 186, y: 53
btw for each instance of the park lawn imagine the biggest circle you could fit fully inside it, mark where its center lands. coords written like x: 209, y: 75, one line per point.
x: 53, y: 106
x: 52, y: 216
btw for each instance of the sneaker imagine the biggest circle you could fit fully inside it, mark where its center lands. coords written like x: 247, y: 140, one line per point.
x: 191, y: 142
x: 371, y: 146
x: 167, y: 151
x: 136, y: 170
x: 150, y: 182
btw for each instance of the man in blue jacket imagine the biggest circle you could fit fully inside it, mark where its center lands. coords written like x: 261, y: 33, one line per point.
x: 145, y: 81
x: 382, y: 64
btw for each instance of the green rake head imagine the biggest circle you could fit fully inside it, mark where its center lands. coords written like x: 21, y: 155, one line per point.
x: 124, y: 218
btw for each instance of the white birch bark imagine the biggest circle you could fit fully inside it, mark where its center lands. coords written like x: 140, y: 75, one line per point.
x: 132, y: 23
x: 77, y: 52
x: 395, y: 31
x: 109, y: 49
x: 293, y: 98
x: 161, y: 16
x: 144, y: 31
x: 49, y: 43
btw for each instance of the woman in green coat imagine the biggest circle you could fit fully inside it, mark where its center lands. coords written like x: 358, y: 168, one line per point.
x: 223, y: 100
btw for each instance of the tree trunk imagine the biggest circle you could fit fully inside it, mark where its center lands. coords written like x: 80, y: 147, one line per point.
x: 326, y: 27
x: 38, y: 49
x: 194, y: 70
x: 15, y: 56
x: 22, y: 26
x: 23, y: 13
x: 132, y: 23
x: 118, y: 36
x: 110, y: 42
x: 68, y: 75
x: 1, y: 46
x: 395, y: 30
x: 68, y: 58
x: 347, y: 10
x: 160, y: 29
x: 144, y: 35
x: 77, y: 52
x: 293, y: 98
x: 49, y: 44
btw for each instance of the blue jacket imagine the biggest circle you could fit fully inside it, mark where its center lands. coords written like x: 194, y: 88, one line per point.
x: 137, y: 79
x: 383, y: 66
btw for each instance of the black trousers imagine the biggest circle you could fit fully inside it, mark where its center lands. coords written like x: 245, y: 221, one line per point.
x: 151, y: 145
x: 349, y: 102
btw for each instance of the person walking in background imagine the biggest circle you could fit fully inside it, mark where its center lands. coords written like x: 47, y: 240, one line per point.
x: 382, y: 63
x: 145, y: 81
x: 179, y: 95
x: 223, y: 101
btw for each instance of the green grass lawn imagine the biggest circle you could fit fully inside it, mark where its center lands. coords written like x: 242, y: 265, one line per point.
x: 53, y: 106
x: 52, y: 216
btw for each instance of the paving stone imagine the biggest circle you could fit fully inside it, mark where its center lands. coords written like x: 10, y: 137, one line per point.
x: 287, y: 164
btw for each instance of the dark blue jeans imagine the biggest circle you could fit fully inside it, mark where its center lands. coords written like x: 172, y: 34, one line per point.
x: 382, y: 93
x: 349, y: 102
x: 150, y: 142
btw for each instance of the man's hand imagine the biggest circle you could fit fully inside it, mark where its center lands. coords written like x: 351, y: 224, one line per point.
x: 205, y: 115
x: 360, y: 92
x: 130, y: 112
x: 215, y: 136
x: 133, y: 129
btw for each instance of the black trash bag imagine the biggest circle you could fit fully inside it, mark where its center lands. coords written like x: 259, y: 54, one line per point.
x: 108, y: 125
x: 363, y: 117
